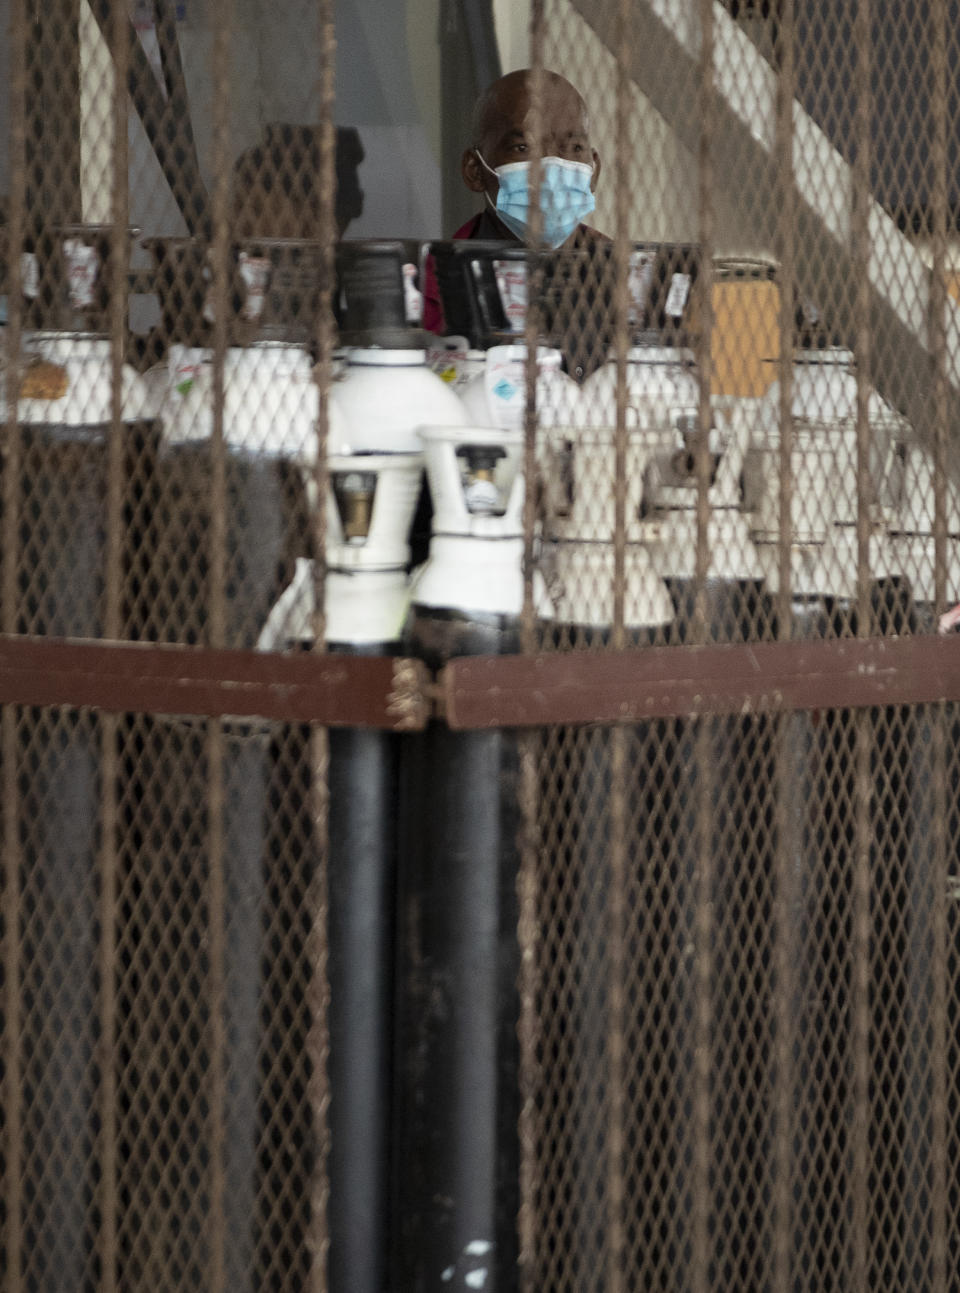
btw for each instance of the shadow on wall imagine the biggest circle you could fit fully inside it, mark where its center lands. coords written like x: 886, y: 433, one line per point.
x: 275, y: 183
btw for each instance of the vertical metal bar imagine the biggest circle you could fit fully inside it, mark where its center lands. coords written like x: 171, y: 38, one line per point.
x: 223, y: 14
x: 938, y: 881
x: 938, y: 298
x: 860, y: 230
x: 318, y: 951
x: 118, y: 299
x: 789, y: 833
x: 615, y: 1081
x: 216, y: 899
x: 223, y: 11
x: 533, y: 320
x: 786, y: 239
x: 621, y: 303
x: 107, y: 1065
x: 529, y: 1021
x: 616, y: 1077
x: 703, y: 931
x: 786, y: 825
x: 12, y: 1105
x: 860, y: 934
x: 705, y: 197
x: 529, y: 747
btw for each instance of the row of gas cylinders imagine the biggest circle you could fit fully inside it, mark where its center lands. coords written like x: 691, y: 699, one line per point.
x: 460, y: 414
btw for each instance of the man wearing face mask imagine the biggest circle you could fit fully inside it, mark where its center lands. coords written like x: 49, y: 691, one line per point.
x: 577, y: 287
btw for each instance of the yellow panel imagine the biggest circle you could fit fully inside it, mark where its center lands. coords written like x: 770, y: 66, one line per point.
x: 746, y: 335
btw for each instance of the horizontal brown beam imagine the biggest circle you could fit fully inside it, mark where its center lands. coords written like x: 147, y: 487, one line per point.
x: 333, y: 690
x: 676, y: 682
x: 478, y: 692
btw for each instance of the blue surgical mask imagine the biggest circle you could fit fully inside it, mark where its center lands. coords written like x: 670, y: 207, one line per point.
x: 565, y: 197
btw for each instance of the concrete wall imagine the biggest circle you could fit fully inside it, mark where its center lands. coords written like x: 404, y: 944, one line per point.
x: 388, y: 87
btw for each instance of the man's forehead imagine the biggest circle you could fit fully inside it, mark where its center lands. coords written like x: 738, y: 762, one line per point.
x: 511, y: 108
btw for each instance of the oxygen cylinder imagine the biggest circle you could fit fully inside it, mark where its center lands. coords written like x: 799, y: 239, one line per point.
x: 369, y: 509
x: 456, y: 1183
x: 908, y: 491
x: 823, y: 522
x: 384, y: 392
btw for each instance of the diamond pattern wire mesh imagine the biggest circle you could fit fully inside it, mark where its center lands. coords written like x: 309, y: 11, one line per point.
x: 756, y: 1087
x: 771, y: 816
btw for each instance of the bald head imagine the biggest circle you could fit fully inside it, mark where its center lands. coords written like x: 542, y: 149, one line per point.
x: 499, y: 102
x: 503, y: 128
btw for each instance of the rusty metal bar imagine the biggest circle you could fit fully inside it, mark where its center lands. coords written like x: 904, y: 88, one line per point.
x: 617, y: 964
x: 216, y: 900
x: 676, y: 682
x: 528, y: 935
x: 705, y: 195
x: 12, y: 1007
x: 220, y: 252
x: 703, y: 882
x: 786, y: 237
x: 861, y: 243
x: 480, y: 691
x: 528, y: 1027
x: 786, y: 825
x: 338, y: 691
x: 617, y: 961
x: 318, y: 902
x: 860, y: 1008
x: 12, y: 1047
x: 703, y: 1015
x: 223, y: 15
x: 111, y: 628
x: 938, y: 301
x: 939, y: 958
x: 16, y: 231
x: 788, y: 835
x: 119, y: 257
x: 861, y: 240
x: 532, y: 323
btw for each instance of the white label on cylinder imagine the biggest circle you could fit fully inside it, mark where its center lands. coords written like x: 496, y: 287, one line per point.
x: 512, y: 285
x: 255, y: 274
x: 639, y: 281
x: 446, y: 358
x: 677, y: 296
x: 412, y: 298
x: 82, y: 266
x: 30, y: 275
x: 209, y: 312
x: 505, y: 380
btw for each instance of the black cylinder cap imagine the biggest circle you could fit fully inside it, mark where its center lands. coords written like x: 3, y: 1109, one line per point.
x: 467, y: 281
x: 371, y: 294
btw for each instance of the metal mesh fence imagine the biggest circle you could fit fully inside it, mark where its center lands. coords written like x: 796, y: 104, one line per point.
x: 309, y: 981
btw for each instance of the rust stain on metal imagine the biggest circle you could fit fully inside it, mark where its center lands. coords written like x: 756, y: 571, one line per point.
x: 665, y: 682
x: 115, y: 677
x: 408, y: 701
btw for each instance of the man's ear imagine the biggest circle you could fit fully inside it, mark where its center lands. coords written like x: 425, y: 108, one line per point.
x: 474, y: 176
x: 596, y: 171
